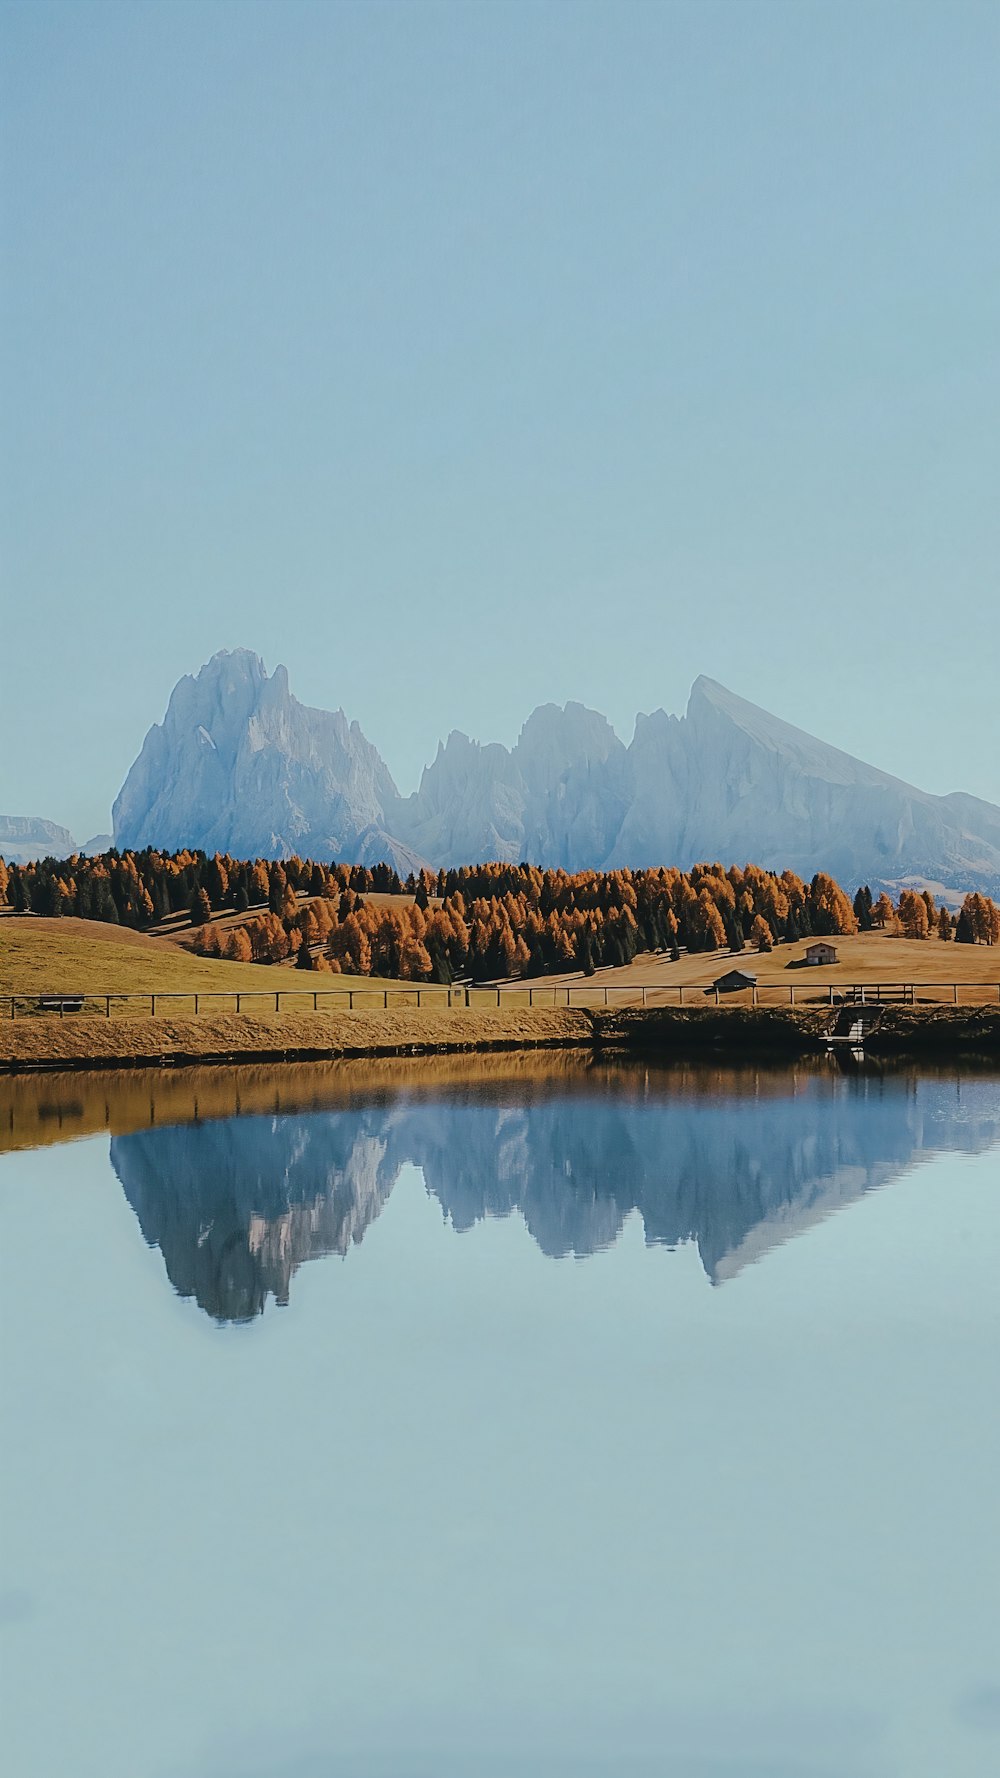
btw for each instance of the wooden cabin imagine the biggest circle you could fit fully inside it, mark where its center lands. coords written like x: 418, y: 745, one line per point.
x: 733, y: 980
x: 821, y: 951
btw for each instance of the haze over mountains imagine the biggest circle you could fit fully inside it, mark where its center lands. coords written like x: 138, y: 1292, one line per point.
x: 239, y: 765
x: 24, y: 837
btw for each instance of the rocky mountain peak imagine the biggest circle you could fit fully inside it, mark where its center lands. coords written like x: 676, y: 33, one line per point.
x: 239, y: 764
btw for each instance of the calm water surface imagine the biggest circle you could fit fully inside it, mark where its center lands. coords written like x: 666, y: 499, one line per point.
x: 440, y: 1420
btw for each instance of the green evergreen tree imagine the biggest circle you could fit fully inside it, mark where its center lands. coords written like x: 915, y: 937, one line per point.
x: 965, y: 932
x: 107, y: 908
x: 277, y: 883
x: 441, y: 970
x: 201, y: 908
x: 50, y: 898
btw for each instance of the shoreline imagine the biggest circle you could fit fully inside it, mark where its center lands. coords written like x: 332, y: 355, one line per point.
x: 46, y: 1045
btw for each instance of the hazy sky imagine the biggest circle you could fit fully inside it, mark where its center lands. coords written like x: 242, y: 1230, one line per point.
x: 468, y: 356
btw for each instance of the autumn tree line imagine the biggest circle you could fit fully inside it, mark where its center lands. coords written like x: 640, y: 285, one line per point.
x: 141, y: 889
x: 483, y: 922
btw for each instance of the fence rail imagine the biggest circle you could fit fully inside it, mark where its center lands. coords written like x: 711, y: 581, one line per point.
x: 556, y: 994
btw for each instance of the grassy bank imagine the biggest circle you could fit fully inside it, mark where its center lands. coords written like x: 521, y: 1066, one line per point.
x: 746, y: 1030
x: 68, y: 956
x: 797, y: 1031
x: 138, y: 1043
x: 52, y: 1043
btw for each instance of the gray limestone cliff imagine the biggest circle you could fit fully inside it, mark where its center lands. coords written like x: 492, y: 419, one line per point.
x: 239, y: 765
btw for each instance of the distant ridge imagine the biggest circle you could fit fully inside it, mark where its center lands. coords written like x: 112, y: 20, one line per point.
x: 27, y: 837
x: 239, y: 765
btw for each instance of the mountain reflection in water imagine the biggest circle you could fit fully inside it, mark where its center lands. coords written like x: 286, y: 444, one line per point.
x: 733, y: 1160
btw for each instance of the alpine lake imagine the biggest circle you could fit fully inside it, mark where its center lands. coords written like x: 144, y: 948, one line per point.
x: 501, y: 1418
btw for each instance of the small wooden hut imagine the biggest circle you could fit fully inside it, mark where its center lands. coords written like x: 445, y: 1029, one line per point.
x: 733, y: 980
x: 821, y: 951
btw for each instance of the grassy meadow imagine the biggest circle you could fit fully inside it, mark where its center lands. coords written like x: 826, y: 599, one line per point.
x: 70, y: 956
x: 863, y: 959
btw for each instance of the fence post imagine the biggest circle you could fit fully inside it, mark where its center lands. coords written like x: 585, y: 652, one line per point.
x: 418, y: 996
x: 716, y: 996
x: 605, y: 996
x: 954, y: 993
x: 643, y: 996
x: 791, y: 995
x: 350, y: 999
x: 754, y: 1001
x: 196, y: 1006
x: 315, y: 1002
x: 107, y: 998
x: 277, y: 998
x: 152, y: 1004
x: 498, y: 996
x: 385, y: 998
x: 237, y: 1003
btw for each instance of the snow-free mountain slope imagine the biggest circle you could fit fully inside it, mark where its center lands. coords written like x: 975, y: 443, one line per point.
x: 239, y: 765
x: 711, y: 702
x: 731, y: 781
x: 554, y: 798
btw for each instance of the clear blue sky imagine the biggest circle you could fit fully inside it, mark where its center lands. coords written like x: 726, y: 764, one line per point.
x: 467, y: 356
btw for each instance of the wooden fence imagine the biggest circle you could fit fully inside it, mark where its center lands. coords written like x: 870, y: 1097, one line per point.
x: 556, y: 994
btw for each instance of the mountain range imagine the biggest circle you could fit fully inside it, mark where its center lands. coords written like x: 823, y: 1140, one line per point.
x: 239, y: 765
x: 25, y: 837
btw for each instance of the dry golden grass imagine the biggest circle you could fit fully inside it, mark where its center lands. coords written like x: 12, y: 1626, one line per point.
x: 863, y: 959
x: 39, y: 956
x: 223, y: 1037
x: 178, y: 930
